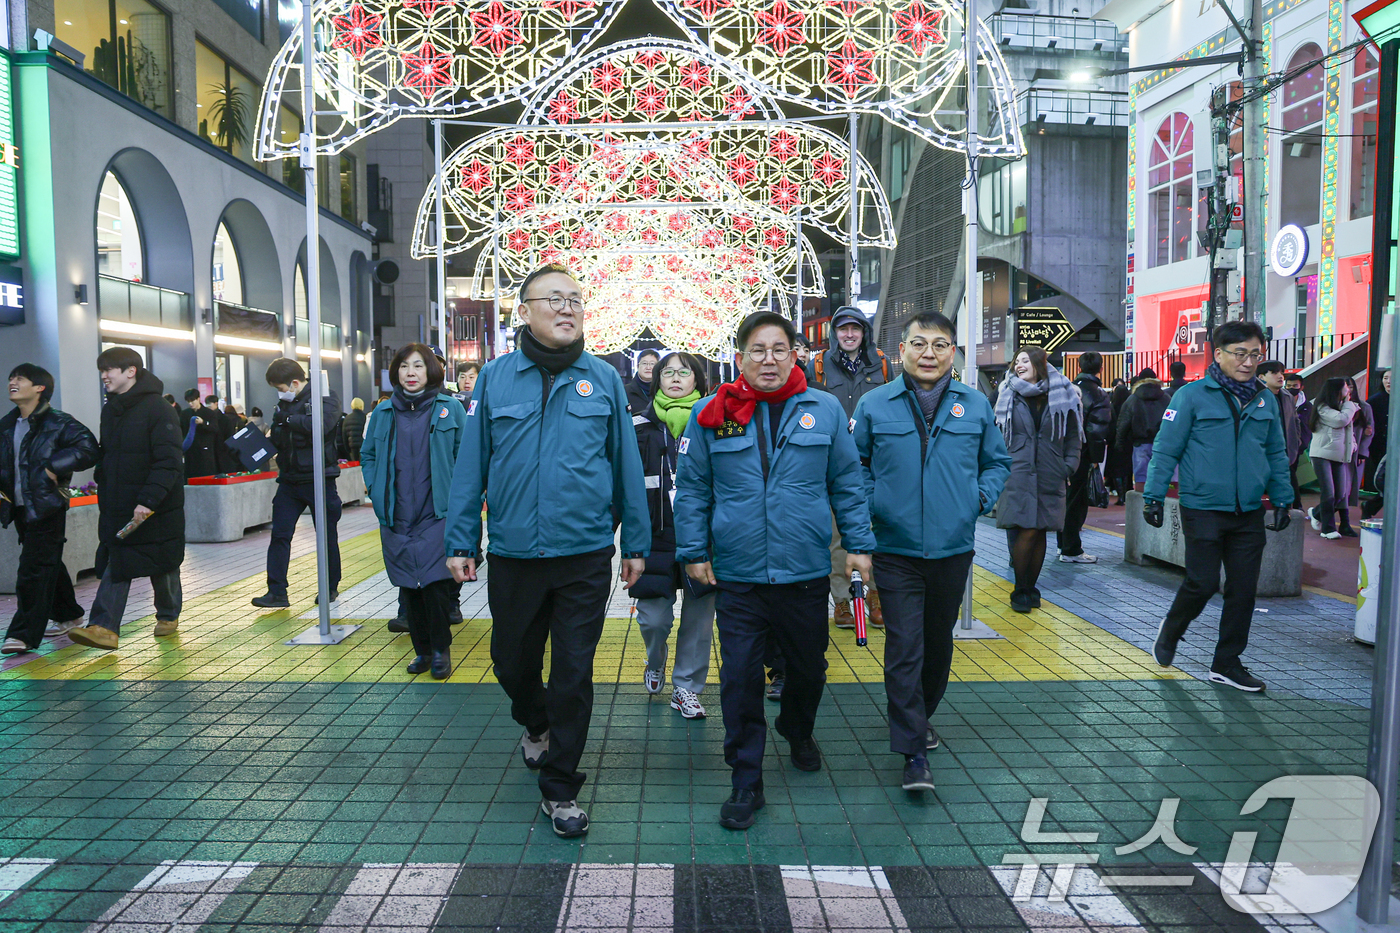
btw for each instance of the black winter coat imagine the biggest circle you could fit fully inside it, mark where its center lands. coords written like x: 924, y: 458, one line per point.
x: 291, y: 435
x: 140, y: 465
x: 57, y: 442
x: 352, y: 431
x: 202, y: 458
x: 663, y: 574
x: 638, y: 394
x: 1098, y: 416
x: 1141, y: 416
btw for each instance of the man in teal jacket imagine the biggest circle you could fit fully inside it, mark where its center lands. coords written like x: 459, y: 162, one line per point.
x: 549, y: 443
x: 933, y: 460
x: 763, y: 464
x: 1223, y: 433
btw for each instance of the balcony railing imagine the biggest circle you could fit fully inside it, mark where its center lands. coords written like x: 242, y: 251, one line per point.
x: 330, y: 335
x: 135, y: 303
x: 1079, y: 108
x: 1059, y: 33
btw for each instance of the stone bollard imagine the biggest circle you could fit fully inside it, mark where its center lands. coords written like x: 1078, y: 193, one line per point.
x: 1280, y: 572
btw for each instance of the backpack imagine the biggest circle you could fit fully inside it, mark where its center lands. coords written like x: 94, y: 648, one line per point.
x: 884, y: 365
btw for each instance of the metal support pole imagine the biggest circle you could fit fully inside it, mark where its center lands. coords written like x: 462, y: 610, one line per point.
x: 797, y: 237
x: 853, y: 273
x: 1255, y: 232
x: 443, y: 335
x: 313, y: 305
x: 496, y: 337
x: 972, y: 295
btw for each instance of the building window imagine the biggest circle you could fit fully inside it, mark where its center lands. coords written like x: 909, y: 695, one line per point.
x: 1300, y: 150
x: 246, y: 13
x: 1170, y: 190
x: 127, y: 44
x: 227, y: 271
x: 288, y: 19
x: 1001, y: 197
x: 288, y: 131
x: 227, y: 103
x: 1364, y: 91
x: 299, y: 307
x: 347, y: 188
x: 119, y: 252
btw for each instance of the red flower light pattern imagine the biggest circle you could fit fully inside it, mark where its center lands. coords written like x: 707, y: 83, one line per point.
x: 849, y: 68
x: 919, y: 27
x: 496, y: 27
x: 358, y: 32
x: 428, y: 71
x: 781, y: 27
x: 476, y: 177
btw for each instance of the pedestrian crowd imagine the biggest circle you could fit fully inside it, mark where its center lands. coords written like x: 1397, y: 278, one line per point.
x: 742, y: 508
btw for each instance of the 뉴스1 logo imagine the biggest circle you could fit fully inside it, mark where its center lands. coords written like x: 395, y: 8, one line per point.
x: 807, y: 421
x: 584, y: 387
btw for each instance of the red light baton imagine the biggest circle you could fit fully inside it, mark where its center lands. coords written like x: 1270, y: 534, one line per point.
x: 858, y: 605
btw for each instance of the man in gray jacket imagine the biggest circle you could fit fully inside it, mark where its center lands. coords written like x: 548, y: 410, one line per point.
x: 849, y: 369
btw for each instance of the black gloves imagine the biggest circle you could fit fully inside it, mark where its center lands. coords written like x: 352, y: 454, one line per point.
x: 1152, y: 513
x: 1281, y: 520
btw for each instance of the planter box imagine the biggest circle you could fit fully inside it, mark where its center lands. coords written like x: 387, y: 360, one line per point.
x: 1280, y: 572
x: 79, y: 553
x: 223, y: 509
x: 351, y: 484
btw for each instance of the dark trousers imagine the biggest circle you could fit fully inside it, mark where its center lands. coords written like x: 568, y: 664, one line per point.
x: 428, y: 612
x: 109, y: 605
x: 1293, y: 481
x: 1334, y: 484
x: 793, y: 616
x: 454, y: 606
x: 1212, y: 539
x: 920, y: 599
x: 287, y: 505
x: 1076, y: 510
x: 562, y: 600
x: 43, y: 589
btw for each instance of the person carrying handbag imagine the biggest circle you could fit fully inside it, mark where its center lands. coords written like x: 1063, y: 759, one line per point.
x: 678, y: 383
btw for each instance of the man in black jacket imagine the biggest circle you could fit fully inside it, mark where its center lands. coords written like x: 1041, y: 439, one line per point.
x: 296, y: 470
x: 1140, y: 418
x: 201, y: 456
x: 1098, y: 425
x: 40, y: 450
x: 639, y: 386
x: 140, y: 500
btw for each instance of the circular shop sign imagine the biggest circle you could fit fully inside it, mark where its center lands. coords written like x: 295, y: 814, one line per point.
x: 1290, y: 250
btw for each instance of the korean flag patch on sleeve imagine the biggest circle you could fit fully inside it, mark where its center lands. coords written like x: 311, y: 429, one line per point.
x: 683, y: 445
x: 851, y: 426
x: 471, y: 408
x: 1169, y: 414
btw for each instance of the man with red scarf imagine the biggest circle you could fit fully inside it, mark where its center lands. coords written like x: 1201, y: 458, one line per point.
x: 763, y: 465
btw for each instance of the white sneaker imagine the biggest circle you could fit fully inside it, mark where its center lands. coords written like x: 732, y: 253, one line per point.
x: 15, y: 646
x: 653, y: 680
x: 533, y: 749
x: 56, y: 629
x: 566, y: 816
x: 1331, y: 535
x: 1312, y: 517
x: 687, y: 703
x: 1078, y: 559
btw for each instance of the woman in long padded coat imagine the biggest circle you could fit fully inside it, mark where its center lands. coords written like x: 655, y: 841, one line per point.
x: 406, y: 459
x: 1040, y: 415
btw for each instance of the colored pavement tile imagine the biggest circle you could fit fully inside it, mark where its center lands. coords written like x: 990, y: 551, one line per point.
x: 222, y: 780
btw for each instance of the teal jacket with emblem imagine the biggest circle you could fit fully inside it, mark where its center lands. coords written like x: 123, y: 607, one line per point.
x: 762, y: 514
x: 558, y: 468
x: 926, y: 486
x: 377, y: 450
x: 1228, y: 456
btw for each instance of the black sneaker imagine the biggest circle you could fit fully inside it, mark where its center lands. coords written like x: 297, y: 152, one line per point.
x: 1346, y: 531
x: 1022, y: 602
x: 930, y: 738
x: 805, y: 754
x: 739, y: 810
x: 775, y: 689
x: 917, y: 776
x: 335, y: 594
x: 271, y: 601
x: 398, y: 626
x: 1239, y: 677
x: 1164, y: 648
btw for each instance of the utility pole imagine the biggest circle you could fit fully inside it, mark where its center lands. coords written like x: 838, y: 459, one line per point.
x: 1255, y: 220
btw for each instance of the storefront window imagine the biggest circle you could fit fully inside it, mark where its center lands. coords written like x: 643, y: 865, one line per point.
x: 227, y: 103
x: 1170, y: 185
x: 1001, y: 198
x: 118, y: 233
x: 127, y: 44
x: 227, y: 272
x: 1364, y: 91
x: 1300, y: 149
x: 347, y: 188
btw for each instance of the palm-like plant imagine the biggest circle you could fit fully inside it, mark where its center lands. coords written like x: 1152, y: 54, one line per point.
x: 229, y: 116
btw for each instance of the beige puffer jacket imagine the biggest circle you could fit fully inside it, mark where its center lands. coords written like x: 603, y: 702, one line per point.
x: 1333, y: 438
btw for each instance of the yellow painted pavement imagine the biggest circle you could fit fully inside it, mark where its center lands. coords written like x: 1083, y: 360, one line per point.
x: 223, y: 638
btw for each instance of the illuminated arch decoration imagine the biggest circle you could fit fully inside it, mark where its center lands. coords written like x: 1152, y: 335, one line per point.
x: 651, y: 81
x: 676, y: 314
x: 388, y: 59
x: 760, y: 167
x: 900, y: 59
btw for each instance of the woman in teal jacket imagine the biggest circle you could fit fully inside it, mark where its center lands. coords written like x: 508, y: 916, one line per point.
x: 407, y: 460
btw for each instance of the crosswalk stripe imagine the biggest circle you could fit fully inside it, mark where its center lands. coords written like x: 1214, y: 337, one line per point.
x: 15, y: 873
x: 841, y: 897
x: 398, y: 897
x: 1081, y: 904
x: 618, y: 896
x: 174, y: 896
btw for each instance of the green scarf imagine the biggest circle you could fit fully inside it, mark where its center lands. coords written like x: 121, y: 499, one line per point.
x: 675, y: 412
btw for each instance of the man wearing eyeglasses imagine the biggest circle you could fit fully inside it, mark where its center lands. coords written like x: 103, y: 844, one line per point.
x: 933, y: 460
x: 550, y: 443
x: 763, y: 465
x: 1223, y: 433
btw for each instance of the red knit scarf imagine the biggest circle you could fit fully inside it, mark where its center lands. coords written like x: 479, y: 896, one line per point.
x: 736, y: 401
